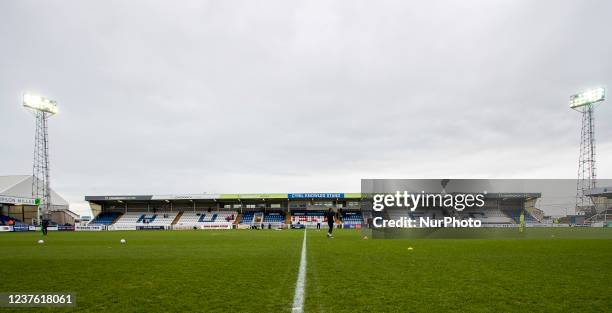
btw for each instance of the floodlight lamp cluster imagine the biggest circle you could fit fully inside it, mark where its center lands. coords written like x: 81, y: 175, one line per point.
x: 588, y: 97
x: 39, y: 103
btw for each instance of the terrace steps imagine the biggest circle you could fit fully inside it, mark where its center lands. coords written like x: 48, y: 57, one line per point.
x: 177, y: 218
x: 117, y: 218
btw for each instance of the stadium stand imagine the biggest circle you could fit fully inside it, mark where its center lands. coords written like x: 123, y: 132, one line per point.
x: 5, y: 220
x: 487, y: 216
x: 396, y: 214
x: 352, y: 218
x: 276, y: 219
x: 258, y: 217
x: 515, y: 215
x: 247, y: 218
x: 146, y: 219
x: 161, y: 219
x: 308, y: 218
x: 217, y: 219
x: 130, y: 219
x: 105, y: 219
x: 604, y: 217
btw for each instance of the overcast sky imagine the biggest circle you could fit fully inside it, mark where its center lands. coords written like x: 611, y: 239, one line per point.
x: 160, y: 97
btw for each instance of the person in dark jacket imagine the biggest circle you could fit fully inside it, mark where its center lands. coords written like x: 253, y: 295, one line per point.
x: 45, y: 225
x: 330, y: 215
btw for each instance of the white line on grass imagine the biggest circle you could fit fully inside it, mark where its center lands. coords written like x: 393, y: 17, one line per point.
x: 298, y: 298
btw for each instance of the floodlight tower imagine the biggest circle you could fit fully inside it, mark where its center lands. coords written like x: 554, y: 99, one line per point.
x: 584, y: 103
x: 42, y: 108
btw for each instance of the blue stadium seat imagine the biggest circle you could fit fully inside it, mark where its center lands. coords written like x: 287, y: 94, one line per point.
x: 105, y: 218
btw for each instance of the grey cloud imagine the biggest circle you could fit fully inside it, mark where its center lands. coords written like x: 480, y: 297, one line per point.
x: 242, y: 96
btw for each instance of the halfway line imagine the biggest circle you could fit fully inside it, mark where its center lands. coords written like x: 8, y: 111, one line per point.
x: 298, y: 298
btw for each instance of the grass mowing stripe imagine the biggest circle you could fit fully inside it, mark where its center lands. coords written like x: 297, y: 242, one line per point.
x: 298, y: 298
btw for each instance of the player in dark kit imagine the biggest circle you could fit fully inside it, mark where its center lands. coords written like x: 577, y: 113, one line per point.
x: 330, y: 215
x: 45, y: 224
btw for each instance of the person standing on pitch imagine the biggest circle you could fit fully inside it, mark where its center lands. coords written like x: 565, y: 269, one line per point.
x: 45, y: 224
x: 330, y: 215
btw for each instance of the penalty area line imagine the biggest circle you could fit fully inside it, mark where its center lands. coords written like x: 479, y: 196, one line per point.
x: 298, y: 298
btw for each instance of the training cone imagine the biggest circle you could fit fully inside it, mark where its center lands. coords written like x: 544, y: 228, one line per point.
x: 410, y: 248
x: 365, y: 237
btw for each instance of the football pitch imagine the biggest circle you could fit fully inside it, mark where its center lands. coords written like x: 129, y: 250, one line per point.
x: 256, y: 271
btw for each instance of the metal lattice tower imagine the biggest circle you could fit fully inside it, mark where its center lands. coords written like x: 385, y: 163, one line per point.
x: 40, y: 169
x: 587, y: 177
x: 42, y: 108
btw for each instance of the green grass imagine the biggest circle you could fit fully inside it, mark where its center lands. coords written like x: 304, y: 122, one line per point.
x: 195, y: 271
x: 157, y: 271
x: 438, y: 275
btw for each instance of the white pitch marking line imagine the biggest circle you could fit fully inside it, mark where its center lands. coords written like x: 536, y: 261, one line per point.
x: 298, y: 298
